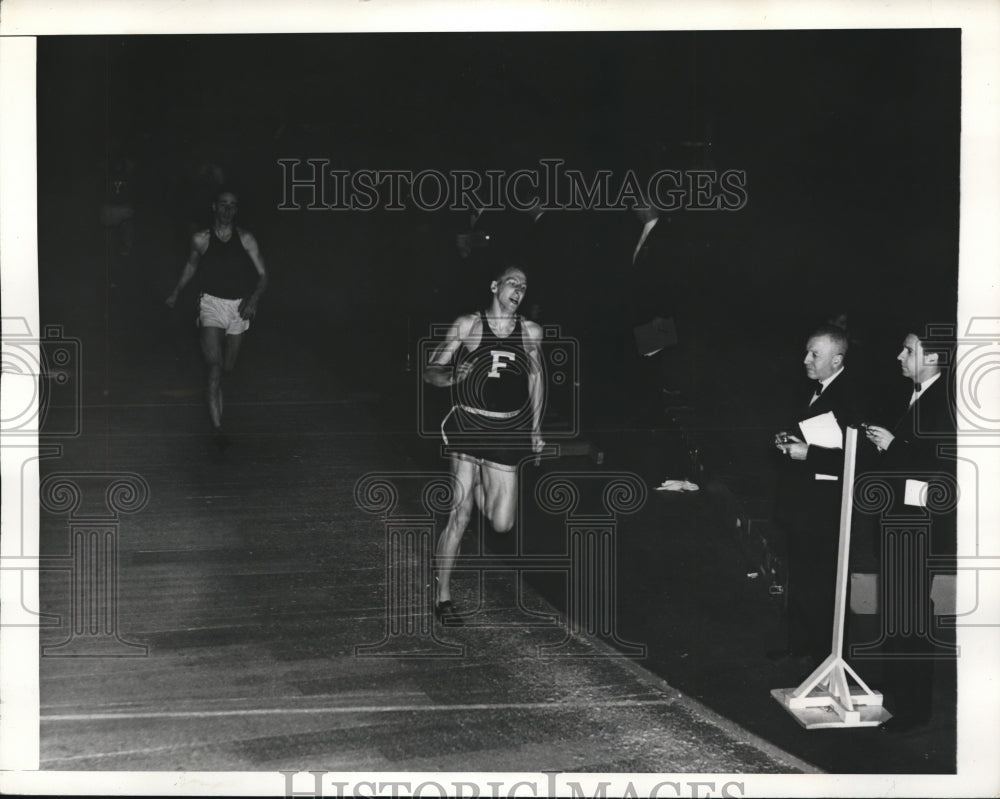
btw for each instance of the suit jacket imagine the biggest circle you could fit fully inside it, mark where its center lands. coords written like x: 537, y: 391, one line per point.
x: 843, y: 398
x: 803, y: 500
x: 924, y: 433
x: 651, y: 272
x: 922, y: 428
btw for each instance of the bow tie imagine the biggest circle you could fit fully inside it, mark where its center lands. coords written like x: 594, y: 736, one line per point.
x: 819, y: 388
x: 916, y: 387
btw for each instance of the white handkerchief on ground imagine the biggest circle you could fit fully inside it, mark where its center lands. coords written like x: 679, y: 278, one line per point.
x: 677, y: 485
x: 822, y: 431
x: 916, y: 493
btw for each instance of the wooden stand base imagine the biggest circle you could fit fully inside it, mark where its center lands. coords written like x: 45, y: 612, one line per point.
x: 826, y: 699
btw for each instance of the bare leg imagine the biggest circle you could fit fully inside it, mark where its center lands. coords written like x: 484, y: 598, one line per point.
x: 499, y: 497
x: 477, y: 491
x: 220, y: 351
x: 211, y: 348
x: 464, y: 474
x: 232, y: 349
x: 233, y: 344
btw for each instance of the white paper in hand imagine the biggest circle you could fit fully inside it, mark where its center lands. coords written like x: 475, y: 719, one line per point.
x: 823, y: 431
x: 915, y: 493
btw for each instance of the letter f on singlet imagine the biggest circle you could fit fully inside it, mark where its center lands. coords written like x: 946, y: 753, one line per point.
x: 500, y: 359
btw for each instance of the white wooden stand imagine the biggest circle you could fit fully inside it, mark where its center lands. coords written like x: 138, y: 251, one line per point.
x: 827, y: 698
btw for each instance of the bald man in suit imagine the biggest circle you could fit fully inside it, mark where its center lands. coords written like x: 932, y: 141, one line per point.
x: 807, y: 505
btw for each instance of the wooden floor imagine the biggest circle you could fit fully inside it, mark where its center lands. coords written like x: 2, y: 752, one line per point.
x: 254, y: 630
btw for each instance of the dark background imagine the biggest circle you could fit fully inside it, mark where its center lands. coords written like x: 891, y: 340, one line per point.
x: 849, y: 140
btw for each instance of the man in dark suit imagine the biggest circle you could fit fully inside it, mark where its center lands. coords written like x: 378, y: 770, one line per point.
x: 650, y: 271
x: 809, y: 494
x: 914, y: 460
x: 650, y: 278
x: 631, y: 376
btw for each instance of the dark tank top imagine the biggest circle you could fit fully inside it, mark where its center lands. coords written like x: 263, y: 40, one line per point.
x: 120, y: 189
x: 227, y: 271
x: 498, y: 379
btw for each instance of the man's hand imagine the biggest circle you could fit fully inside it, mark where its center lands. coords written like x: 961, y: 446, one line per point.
x: 462, y: 371
x: 172, y: 300
x: 797, y: 449
x: 537, y: 442
x: 443, y: 375
x: 790, y: 445
x: 880, y: 437
x: 248, y: 308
